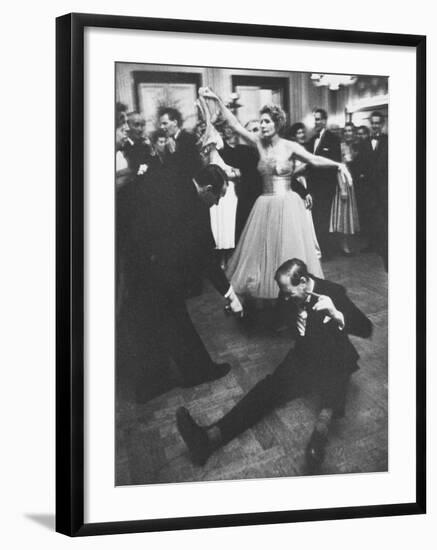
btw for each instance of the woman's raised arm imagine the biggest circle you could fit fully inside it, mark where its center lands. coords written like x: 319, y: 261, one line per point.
x: 229, y: 117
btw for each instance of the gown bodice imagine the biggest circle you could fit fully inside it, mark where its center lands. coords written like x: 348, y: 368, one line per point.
x: 276, y: 171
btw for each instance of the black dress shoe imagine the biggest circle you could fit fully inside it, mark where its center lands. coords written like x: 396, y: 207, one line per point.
x: 217, y: 370
x: 315, y: 452
x: 194, y: 436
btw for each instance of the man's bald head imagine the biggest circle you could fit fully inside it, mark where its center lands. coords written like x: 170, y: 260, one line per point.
x: 137, y: 125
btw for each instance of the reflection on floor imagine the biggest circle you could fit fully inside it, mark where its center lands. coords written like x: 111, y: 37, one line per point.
x: 150, y: 450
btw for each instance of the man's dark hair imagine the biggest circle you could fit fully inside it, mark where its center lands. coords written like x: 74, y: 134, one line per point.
x: 172, y: 113
x: 378, y: 114
x: 212, y: 175
x: 158, y: 134
x: 322, y: 113
x: 295, y: 268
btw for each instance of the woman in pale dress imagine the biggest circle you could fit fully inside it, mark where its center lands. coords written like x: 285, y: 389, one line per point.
x: 278, y: 227
x: 344, y: 212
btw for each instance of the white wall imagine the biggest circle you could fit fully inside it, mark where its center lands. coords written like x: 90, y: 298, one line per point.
x: 27, y: 277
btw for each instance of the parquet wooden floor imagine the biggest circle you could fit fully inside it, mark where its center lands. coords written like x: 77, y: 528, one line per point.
x: 150, y: 450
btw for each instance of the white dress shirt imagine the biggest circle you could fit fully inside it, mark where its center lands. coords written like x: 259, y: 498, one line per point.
x: 317, y: 140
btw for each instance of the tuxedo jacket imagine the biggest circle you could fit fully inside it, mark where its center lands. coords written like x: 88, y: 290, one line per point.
x: 324, y: 358
x: 378, y: 170
x: 325, y: 350
x: 362, y: 162
x: 164, y: 235
x: 186, y: 160
x: 324, y: 180
x: 137, y: 153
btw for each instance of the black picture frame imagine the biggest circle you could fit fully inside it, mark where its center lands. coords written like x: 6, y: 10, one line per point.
x: 70, y: 273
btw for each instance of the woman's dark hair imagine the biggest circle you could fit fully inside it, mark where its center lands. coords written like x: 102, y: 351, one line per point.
x: 213, y: 175
x: 295, y: 268
x: 364, y: 129
x: 172, y: 113
x: 120, y: 109
x: 158, y: 134
x: 276, y: 114
x: 291, y: 132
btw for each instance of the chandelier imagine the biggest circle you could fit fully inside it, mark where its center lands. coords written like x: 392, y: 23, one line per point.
x: 333, y: 81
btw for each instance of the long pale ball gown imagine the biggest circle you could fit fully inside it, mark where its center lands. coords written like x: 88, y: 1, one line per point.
x: 278, y: 229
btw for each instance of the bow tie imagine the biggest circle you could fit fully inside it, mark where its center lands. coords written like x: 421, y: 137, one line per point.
x: 376, y: 136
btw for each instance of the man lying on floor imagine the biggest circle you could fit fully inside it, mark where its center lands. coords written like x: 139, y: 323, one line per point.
x: 321, y: 361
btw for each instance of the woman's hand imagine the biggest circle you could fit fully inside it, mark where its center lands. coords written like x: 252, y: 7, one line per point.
x: 308, y: 202
x: 207, y: 93
x: 342, y: 168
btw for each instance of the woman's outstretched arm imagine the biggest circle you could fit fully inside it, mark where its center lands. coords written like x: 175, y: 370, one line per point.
x: 229, y: 117
x: 314, y: 160
x: 317, y: 161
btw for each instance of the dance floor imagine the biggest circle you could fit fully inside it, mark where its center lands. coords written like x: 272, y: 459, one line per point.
x: 150, y: 450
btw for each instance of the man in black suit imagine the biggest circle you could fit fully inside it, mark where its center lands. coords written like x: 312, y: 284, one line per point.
x: 164, y: 240
x: 364, y: 193
x: 322, y: 182
x: 182, y: 145
x: 322, y: 360
x: 378, y: 177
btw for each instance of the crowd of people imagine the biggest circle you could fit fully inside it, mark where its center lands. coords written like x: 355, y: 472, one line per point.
x: 337, y: 209
x: 275, y: 200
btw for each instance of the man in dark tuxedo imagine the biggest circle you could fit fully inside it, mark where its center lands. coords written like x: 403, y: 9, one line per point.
x: 137, y: 150
x: 248, y: 186
x: 364, y: 193
x: 322, y: 182
x: 164, y: 239
x: 182, y: 145
x: 322, y: 361
x: 378, y: 177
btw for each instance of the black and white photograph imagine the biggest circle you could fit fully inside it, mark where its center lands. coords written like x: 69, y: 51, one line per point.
x: 251, y: 273
x: 218, y: 284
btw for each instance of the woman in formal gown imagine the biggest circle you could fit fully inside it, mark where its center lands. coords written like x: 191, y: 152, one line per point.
x: 344, y: 212
x: 278, y: 227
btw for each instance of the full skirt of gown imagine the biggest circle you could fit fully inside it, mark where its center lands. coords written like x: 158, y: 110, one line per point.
x: 278, y: 229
